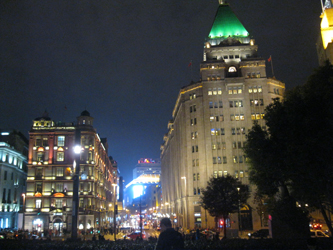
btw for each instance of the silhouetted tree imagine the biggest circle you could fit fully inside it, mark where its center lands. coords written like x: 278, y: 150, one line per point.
x: 294, y: 157
x: 221, y: 197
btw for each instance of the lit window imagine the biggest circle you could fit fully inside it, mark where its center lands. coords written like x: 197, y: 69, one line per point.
x: 262, y: 115
x: 194, y: 96
x: 219, y: 160
x: 236, y: 174
x: 61, y: 141
x: 250, y: 89
x: 60, y: 156
x: 217, y: 132
x: 225, y: 173
x: 60, y: 172
x: 230, y: 91
x: 257, y: 116
x: 219, y: 91
x: 234, y: 91
x: 221, y: 118
x: 197, y: 162
x: 259, y: 89
x: 241, y: 174
x: 38, y: 203
x: 232, y: 117
x: 214, y: 91
x: 215, y: 174
x: 212, y: 131
x: 242, y: 117
x: 220, y: 173
x: 210, y: 92
x: 239, y: 90
x: 255, y: 90
x: 237, y: 117
x: 253, y: 116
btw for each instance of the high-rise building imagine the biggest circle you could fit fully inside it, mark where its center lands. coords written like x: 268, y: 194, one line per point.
x: 324, y: 43
x: 52, y: 165
x: 147, y: 166
x: 13, y: 175
x: 210, y: 121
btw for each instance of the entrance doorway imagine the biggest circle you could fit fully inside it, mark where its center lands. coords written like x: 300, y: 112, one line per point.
x: 58, y: 227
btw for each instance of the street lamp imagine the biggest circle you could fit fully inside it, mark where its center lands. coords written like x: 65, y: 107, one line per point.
x: 75, y: 207
x: 239, y: 213
x: 23, y: 208
x: 185, y: 209
x: 114, y: 210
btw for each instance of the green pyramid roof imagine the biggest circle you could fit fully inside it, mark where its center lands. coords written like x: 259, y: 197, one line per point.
x: 227, y: 24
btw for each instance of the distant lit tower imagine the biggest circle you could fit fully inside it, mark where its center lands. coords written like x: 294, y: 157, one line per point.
x: 324, y: 43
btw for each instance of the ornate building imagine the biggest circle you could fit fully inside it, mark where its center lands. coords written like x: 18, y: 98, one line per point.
x: 324, y: 43
x: 210, y: 121
x: 51, y: 168
x: 13, y: 175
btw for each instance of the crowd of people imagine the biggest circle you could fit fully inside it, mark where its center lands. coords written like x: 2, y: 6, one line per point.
x: 168, y: 239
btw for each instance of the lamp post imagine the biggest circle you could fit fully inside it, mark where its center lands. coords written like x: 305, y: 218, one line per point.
x: 23, y: 195
x: 185, y: 209
x: 75, y: 207
x: 239, y: 213
x: 114, y: 210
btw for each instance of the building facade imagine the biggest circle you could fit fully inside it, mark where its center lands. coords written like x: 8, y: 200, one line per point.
x: 51, y: 170
x: 210, y: 121
x: 13, y: 175
x: 147, y: 166
x: 324, y: 44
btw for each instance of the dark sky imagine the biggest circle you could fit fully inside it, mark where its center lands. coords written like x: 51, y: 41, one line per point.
x: 125, y: 61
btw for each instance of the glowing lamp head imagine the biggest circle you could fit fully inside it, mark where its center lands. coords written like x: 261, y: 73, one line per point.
x: 77, y: 149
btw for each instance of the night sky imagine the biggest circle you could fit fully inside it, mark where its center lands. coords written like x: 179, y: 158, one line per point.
x: 125, y: 61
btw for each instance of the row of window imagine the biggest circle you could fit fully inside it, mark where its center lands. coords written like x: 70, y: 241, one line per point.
x: 221, y: 131
x: 239, y: 90
x: 257, y: 116
x: 253, y: 75
x: 222, y: 145
x: 240, y: 174
x: 44, y: 142
x: 196, y: 177
x: 7, y: 198
x: 195, y: 162
x: 256, y: 102
x: 194, y: 135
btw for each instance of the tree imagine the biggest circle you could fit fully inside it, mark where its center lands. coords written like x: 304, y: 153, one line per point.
x: 221, y: 197
x: 293, y: 158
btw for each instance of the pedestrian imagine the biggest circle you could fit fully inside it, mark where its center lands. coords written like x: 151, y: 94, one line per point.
x: 169, y: 238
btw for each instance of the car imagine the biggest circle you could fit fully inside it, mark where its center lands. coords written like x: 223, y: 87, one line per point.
x: 318, y: 234
x: 261, y: 234
x: 135, y: 235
